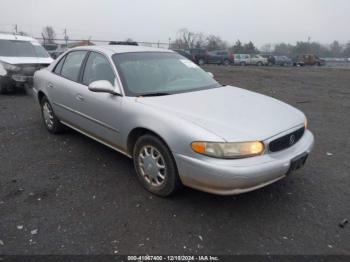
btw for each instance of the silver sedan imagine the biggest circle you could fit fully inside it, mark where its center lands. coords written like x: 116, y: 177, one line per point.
x: 177, y: 123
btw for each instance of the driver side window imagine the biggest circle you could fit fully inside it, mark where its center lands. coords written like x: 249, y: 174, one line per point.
x: 98, y: 68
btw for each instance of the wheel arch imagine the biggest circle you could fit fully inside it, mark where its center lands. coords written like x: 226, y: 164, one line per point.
x: 136, y: 133
x: 41, y: 95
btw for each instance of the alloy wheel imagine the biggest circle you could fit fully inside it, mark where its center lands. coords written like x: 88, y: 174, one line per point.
x: 48, y: 115
x: 152, y: 166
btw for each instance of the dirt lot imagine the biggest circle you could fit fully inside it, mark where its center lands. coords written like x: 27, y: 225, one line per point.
x: 70, y: 195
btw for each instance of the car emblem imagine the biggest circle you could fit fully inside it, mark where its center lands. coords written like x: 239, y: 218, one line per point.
x: 291, y: 139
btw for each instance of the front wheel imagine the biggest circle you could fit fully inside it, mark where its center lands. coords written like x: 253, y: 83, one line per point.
x: 3, y: 89
x: 155, y: 166
x: 52, y: 123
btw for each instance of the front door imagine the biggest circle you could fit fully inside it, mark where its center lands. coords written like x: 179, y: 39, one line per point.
x: 101, y: 111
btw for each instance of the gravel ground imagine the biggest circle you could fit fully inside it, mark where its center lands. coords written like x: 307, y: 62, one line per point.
x: 67, y: 194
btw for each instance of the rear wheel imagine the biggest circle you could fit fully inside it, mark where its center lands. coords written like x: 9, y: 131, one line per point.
x: 260, y: 64
x: 52, y: 123
x: 243, y: 63
x: 226, y: 62
x: 155, y: 166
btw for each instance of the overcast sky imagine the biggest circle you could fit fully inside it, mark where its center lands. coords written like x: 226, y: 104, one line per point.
x: 262, y: 21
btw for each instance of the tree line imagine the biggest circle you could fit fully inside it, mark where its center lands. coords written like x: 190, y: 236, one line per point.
x: 186, y: 39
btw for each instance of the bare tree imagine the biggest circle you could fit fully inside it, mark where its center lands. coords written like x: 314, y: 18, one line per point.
x: 48, y: 35
x: 200, y: 41
x: 215, y: 43
x: 186, y: 39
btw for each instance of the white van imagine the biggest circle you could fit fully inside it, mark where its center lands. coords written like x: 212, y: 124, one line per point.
x: 20, y: 57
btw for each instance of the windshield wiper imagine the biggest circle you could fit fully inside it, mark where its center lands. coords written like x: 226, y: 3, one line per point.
x: 155, y: 94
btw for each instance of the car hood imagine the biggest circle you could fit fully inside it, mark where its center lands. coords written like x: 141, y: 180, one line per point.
x: 232, y: 113
x: 26, y: 60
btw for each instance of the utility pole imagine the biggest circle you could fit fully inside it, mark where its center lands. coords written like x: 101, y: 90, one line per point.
x: 66, y: 37
x: 16, y: 29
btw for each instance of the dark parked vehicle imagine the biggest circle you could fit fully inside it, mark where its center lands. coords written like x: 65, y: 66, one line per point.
x: 283, y: 61
x: 186, y: 54
x: 200, y: 55
x: 221, y: 57
x: 123, y: 43
x: 308, y: 59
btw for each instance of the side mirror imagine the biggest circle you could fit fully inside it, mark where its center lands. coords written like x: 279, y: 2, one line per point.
x: 104, y: 86
x: 211, y: 74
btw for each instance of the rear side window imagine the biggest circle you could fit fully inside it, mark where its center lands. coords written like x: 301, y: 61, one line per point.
x: 97, y: 68
x: 59, y: 66
x: 72, y: 65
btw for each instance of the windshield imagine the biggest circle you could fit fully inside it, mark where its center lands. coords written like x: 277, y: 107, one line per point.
x: 15, y: 48
x: 157, y: 72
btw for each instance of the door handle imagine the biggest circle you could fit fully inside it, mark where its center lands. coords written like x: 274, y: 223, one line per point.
x: 79, y: 97
x: 50, y: 85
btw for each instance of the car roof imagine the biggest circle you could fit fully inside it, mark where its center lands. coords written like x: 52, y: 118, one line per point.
x: 117, y: 49
x: 16, y: 37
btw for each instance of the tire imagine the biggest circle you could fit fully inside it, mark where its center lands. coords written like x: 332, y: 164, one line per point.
x: 259, y: 64
x: 242, y: 63
x: 201, y: 61
x: 226, y: 62
x: 160, y: 176
x: 3, y: 89
x: 51, y: 122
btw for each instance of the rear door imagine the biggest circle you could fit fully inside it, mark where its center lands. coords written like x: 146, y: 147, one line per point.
x: 64, y: 87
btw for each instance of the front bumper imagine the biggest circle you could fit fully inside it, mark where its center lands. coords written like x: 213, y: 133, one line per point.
x: 236, y: 176
x: 16, y: 81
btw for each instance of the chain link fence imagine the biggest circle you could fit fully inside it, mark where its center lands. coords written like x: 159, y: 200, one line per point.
x: 70, y: 43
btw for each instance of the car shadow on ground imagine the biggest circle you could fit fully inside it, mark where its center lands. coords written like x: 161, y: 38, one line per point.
x: 263, y: 198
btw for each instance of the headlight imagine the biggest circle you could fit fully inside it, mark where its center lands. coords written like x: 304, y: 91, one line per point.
x: 229, y: 150
x: 10, y: 67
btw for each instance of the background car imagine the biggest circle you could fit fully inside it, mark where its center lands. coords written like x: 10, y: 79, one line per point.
x: 20, y: 57
x: 283, y: 61
x: 258, y: 60
x: 200, y: 55
x: 221, y: 57
x: 308, y: 59
x: 250, y: 59
x: 124, y: 43
x: 270, y: 58
x: 241, y: 59
x: 186, y: 54
x: 55, y: 50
